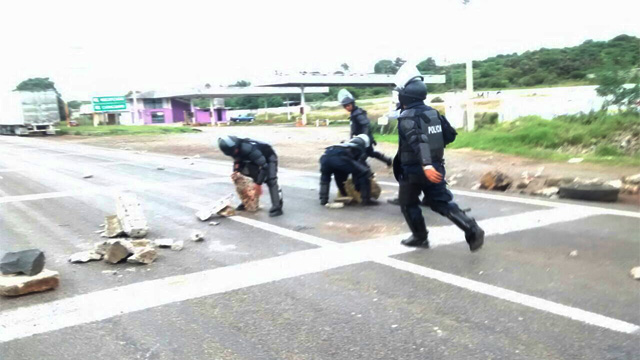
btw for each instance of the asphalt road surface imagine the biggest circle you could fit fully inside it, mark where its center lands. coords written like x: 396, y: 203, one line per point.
x: 315, y: 283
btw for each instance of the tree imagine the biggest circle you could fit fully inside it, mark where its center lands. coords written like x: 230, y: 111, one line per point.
x: 75, y: 104
x: 384, y: 67
x: 241, y: 83
x: 612, y: 86
x: 397, y: 64
x: 36, y: 84
x: 427, y: 66
x: 345, y: 66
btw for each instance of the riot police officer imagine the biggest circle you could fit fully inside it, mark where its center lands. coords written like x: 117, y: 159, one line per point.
x: 419, y: 163
x: 360, y: 124
x: 341, y: 160
x: 258, y: 161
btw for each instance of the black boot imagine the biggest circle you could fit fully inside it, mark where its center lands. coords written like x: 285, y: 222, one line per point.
x: 394, y: 201
x: 473, y: 233
x: 276, y: 200
x: 419, y: 234
x: 240, y: 207
x: 365, y: 194
x: 324, y: 193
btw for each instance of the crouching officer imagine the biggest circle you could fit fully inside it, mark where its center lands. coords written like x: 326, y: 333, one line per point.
x: 360, y: 124
x: 419, y: 164
x: 341, y: 160
x: 258, y: 161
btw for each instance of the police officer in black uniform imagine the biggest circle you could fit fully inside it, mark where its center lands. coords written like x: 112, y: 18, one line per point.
x: 341, y: 160
x: 419, y: 166
x: 360, y: 124
x: 258, y: 161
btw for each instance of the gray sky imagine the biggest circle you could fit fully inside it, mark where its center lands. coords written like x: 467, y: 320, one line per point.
x: 109, y: 47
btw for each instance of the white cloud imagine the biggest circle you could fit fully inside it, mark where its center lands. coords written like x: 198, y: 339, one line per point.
x: 109, y: 47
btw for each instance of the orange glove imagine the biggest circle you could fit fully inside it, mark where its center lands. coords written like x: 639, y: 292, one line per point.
x: 433, y: 175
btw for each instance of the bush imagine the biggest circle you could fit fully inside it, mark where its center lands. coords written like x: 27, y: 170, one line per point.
x: 607, y: 150
x: 486, y: 119
x: 437, y: 99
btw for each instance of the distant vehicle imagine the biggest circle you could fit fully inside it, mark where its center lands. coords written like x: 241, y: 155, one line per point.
x: 26, y: 112
x: 242, y: 118
x: 73, y: 123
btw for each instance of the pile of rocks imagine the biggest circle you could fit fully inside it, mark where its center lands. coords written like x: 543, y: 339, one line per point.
x: 23, y: 272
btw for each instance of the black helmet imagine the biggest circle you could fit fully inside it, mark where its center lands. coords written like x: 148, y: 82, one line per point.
x: 361, y: 140
x: 414, y: 88
x: 345, y: 97
x: 228, y: 144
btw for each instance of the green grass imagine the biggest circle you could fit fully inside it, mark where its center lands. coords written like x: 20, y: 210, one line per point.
x: 538, y: 138
x: 112, y: 130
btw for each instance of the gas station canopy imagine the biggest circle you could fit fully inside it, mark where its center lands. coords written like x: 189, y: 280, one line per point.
x: 341, y: 80
x: 227, y: 92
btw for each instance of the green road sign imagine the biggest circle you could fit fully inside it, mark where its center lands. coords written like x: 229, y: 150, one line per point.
x: 109, y: 103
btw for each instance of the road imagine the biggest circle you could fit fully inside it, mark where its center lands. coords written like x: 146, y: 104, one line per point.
x: 313, y: 284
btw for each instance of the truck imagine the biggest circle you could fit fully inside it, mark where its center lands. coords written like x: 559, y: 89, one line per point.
x: 28, y: 112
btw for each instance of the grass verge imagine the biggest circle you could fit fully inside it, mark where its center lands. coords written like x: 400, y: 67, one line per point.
x: 112, y: 130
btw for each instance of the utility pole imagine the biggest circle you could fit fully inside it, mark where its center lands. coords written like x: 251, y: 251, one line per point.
x: 469, y: 72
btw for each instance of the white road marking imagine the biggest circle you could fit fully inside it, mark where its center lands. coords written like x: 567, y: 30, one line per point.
x: 515, y: 297
x: 309, y: 239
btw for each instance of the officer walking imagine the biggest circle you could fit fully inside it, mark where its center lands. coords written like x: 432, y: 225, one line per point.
x: 341, y: 160
x: 258, y: 161
x: 360, y: 124
x: 419, y: 163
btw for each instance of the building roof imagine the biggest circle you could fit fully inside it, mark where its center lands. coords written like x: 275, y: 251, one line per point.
x: 227, y: 92
x: 342, y: 80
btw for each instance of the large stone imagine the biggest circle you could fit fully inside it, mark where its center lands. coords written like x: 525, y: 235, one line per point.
x: 84, y: 257
x: 177, y: 246
x: 557, y: 181
x: 113, y: 228
x: 163, y: 243
x: 631, y: 180
x: 131, y: 216
x: 547, y: 192
x: 214, y: 208
x: 246, y: 189
x: 117, y: 251
x: 29, y: 262
x: 22, y: 284
x: 145, y: 255
x: 355, y: 195
x: 635, y: 273
x: 495, y: 180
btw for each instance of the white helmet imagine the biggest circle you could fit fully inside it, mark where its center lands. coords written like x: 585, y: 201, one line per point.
x: 345, y: 97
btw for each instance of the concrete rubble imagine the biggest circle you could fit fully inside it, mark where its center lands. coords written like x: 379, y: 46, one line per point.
x: 16, y: 285
x: 635, y: 273
x: 547, y: 192
x: 214, y: 208
x: 28, y: 262
x: 163, y: 243
x: 247, y: 191
x: 334, y: 205
x: 131, y: 216
x: 85, y: 257
x: 177, y: 246
x: 197, y: 236
x: 495, y: 180
x: 144, y: 255
x: 118, y: 250
x: 113, y: 227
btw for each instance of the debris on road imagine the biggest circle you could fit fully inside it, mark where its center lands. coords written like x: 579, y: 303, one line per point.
x: 547, y: 192
x: 141, y: 243
x: 177, y: 246
x: 160, y: 167
x: 113, y: 228
x: 476, y: 186
x: 635, y: 273
x: 110, y: 272
x: 227, y: 211
x: 118, y: 250
x: 16, y: 285
x: 354, y: 194
x: 28, y: 262
x: 573, y: 253
x: 87, y: 176
x: 334, y: 205
x: 214, y: 208
x: 214, y: 223
x: 145, y: 255
x: 575, y: 160
x: 247, y: 191
x: 197, y: 236
x: 589, y: 192
x: 131, y: 216
x: 495, y: 180
x: 163, y: 243
x: 85, y: 257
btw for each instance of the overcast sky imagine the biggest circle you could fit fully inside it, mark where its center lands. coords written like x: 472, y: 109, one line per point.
x: 109, y: 47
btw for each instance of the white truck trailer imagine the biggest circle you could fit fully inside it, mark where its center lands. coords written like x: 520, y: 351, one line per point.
x: 26, y: 112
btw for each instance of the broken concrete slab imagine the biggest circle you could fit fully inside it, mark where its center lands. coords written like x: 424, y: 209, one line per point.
x: 85, y: 257
x: 145, y: 255
x: 141, y: 243
x: 334, y: 205
x: 631, y: 180
x: 16, y: 285
x: 118, y: 250
x: 114, y: 227
x: 177, y: 246
x: 163, y: 243
x: 131, y: 216
x: 635, y: 273
x: 28, y: 262
x: 227, y: 211
x: 495, y: 180
x: 208, y: 211
x: 547, y: 192
x: 197, y: 236
x: 247, y: 191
